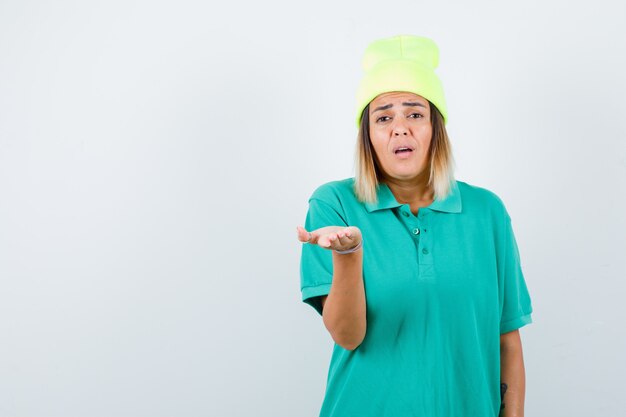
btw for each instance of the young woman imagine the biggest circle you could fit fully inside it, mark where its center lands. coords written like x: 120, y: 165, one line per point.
x: 417, y: 275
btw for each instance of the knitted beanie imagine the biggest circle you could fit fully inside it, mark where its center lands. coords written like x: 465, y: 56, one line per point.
x: 401, y: 63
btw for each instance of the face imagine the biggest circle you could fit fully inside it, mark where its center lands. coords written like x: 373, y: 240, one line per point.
x: 401, y: 120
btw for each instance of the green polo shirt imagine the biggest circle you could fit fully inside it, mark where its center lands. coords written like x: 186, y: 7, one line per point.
x: 440, y: 287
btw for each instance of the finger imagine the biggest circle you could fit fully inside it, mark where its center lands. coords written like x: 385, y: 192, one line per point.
x: 346, y: 240
x: 304, y: 236
x: 332, y: 240
x: 340, y: 242
x: 345, y: 233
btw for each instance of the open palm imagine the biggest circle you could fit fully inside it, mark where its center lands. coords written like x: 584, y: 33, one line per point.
x: 332, y: 237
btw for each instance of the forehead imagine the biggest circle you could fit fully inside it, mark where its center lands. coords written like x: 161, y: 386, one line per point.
x: 396, y: 97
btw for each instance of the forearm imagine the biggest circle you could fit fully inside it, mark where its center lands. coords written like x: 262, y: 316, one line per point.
x: 513, y: 380
x: 344, y: 309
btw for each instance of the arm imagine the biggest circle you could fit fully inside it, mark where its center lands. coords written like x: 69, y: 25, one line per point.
x: 512, y: 375
x: 344, y: 307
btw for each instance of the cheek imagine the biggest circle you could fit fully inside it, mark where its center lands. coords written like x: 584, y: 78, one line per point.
x: 377, y: 144
x: 424, y: 136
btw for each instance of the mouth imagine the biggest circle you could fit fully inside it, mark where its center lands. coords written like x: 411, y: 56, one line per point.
x: 402, y: 150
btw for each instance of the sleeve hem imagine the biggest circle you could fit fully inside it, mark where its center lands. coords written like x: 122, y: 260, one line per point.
x: 516, y: 323
x: 309, y: 295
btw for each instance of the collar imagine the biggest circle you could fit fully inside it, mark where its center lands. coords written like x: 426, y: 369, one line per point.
x: 386, y: 200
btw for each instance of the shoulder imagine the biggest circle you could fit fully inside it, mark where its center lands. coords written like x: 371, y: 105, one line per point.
x: 336, y: 193
x: 332, y: 203
x: 481, y: 199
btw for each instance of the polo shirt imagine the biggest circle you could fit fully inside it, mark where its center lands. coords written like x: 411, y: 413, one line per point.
x: 440, y: 287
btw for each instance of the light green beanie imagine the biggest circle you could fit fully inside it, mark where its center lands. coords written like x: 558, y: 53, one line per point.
x: 401, y: 63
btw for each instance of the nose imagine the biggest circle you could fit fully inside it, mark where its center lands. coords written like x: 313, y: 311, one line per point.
x: 400, y: 130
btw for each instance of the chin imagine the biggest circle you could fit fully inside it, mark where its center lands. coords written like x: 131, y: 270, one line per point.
x: 405, y: 175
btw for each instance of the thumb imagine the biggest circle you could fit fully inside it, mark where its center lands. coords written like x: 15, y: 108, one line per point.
x: 304, y: 236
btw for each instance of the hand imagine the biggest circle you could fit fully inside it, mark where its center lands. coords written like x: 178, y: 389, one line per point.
x: 332, y: 237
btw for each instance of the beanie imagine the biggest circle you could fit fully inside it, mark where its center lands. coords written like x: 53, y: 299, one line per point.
x: 401, y: 63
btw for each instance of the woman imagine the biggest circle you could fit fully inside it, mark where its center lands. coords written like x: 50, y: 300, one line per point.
x: 416, y: 275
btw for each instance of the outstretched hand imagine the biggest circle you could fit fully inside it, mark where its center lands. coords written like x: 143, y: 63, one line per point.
x: 332, y: 237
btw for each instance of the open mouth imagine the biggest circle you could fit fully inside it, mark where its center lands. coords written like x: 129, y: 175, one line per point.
x: 403, y: 150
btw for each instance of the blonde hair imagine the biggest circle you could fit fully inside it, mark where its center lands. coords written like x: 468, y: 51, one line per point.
x: 369, y: 173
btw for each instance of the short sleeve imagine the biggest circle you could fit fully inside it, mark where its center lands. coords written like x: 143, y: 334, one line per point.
x: 515, y: 302
x: 316, y: 263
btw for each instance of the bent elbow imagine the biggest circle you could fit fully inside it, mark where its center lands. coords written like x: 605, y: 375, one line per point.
x: 348, y: 335
x: 351, y: 344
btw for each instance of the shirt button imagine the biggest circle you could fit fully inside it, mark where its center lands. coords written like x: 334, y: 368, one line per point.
x: 416, y: 231
x: 405, y: 214
x: 425, y: 251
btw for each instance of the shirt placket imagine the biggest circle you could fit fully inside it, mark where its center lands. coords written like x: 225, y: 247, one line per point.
x: 419, y: 227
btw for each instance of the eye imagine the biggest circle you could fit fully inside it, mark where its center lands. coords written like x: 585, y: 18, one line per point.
x: 378, y: 120
x: 416, y: 114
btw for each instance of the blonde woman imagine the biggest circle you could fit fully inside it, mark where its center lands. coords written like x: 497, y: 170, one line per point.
x: 416, y: 275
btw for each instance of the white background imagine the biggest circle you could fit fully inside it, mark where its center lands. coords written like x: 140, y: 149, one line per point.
x: 156, y: 158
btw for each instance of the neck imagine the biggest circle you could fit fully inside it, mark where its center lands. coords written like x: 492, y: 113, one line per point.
x: 411, y: 192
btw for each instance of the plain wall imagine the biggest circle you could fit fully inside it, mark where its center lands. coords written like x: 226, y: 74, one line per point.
x: 156, y: 158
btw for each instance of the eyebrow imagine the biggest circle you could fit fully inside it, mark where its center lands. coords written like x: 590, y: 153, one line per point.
x: 390, y: 105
